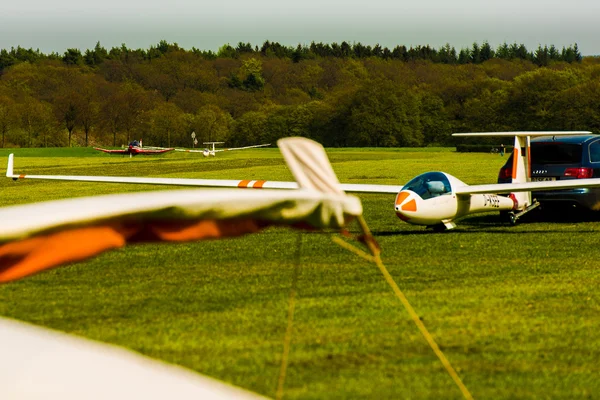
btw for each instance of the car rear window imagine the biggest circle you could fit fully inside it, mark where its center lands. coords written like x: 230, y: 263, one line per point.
x: 556, y: 153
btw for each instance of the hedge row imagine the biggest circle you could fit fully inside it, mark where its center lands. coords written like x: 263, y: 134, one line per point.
x: 481, y: 148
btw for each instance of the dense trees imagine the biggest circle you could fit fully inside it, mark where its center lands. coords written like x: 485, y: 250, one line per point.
x: 339, y: 94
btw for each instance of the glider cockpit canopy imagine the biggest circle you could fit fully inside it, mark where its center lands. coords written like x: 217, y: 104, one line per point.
x: 429, y: 184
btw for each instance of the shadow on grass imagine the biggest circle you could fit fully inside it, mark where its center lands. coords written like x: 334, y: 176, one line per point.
x: 495, y: 223
x: 564, y: 215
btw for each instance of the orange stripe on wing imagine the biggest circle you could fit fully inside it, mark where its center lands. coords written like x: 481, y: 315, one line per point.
x: 244, y: 183
x: 29, y: 256
x: 182, y: 231
x: 21, y: 176
x: 258, y: 184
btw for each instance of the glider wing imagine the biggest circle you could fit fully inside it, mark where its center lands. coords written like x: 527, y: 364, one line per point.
x: 148, y: 151
x: 136, y: 150
x: 528, y: 186
x: 111, y: 151
x: 190, y: 150
x: 523, y: 133
x: 245, y: 147
x: 39, y: 363
x: 229, y: 149
x: 235, y: 183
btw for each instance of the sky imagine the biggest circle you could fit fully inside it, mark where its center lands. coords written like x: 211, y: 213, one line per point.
x: 56, y: 25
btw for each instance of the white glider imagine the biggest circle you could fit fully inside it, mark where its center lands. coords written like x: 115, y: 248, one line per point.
x: 211, y: 151
x: 434, y: 199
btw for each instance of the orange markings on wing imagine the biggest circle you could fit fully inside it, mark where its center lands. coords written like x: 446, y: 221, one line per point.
x: 410, y: 206
x: 182, y: 231
x: 21, y: 176
x: 244, y: 183
x: 28, y: 256
x: 258, y: 184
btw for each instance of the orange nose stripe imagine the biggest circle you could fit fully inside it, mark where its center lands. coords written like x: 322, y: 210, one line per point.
x: 401, y: 197
x: 410, y: 206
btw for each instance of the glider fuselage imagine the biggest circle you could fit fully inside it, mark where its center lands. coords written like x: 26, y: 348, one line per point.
x: 430, y: 199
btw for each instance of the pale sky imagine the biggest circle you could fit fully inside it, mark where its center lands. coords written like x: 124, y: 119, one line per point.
x: 55, y: 25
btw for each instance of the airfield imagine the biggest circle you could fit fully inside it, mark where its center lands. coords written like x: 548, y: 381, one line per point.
x: 514, y: 308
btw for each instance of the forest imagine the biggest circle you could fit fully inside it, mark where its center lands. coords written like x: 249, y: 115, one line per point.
x: 338, y: 94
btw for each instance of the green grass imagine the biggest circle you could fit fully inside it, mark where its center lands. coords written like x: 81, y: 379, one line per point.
x: 515, y: 309
x: 53, y: 152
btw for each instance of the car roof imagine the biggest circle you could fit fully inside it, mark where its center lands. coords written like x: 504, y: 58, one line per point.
x: 576, y: 139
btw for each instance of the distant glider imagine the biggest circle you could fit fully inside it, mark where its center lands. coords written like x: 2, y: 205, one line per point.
x: 432, y: 199
x: 134, y: 148
x: 211, y: 150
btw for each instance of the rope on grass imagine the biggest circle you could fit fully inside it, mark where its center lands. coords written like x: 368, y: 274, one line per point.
x: 376, y: 258
x: 287, y: 341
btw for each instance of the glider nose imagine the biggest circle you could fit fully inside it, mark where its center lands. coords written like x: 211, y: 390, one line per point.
x: 405, y: 205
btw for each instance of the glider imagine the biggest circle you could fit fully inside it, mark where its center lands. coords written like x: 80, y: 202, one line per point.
x: 432, y: 199
x: 134, y: 148
x: 38, y: 236
x: 211, y: 151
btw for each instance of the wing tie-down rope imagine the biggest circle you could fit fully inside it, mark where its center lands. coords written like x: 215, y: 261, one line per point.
x: 312, y: 170
x: 375, y: 257
x: 290, y: 321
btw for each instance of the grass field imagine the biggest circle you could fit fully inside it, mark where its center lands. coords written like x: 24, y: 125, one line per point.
x: 515, y: 309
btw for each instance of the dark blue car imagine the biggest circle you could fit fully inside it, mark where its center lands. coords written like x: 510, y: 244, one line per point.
x: 563, y: 157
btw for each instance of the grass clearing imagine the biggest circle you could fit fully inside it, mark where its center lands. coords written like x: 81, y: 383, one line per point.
x: 515, y: 309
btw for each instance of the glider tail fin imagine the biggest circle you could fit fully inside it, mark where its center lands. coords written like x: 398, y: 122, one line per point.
x: 9, y: 167
x: 309, y: 164
x: 521, y: 168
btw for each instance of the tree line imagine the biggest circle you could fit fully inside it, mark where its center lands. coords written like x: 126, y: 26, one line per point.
x: 339, y: 95
x: 447, y: 54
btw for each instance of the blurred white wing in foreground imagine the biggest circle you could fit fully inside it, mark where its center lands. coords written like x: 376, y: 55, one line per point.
x: 38, y: 236
x: 39, y: 363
